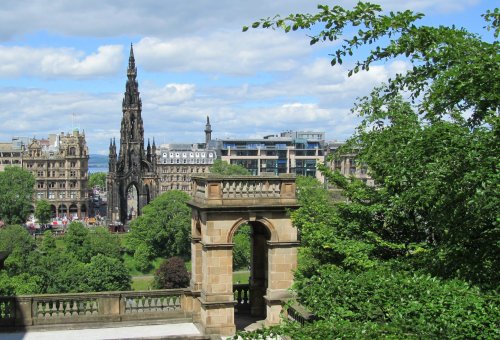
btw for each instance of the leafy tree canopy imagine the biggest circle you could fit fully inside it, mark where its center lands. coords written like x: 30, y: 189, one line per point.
x: 241, y: 249
x: 172, y: 273
x: 434, y: 212
x: 224, y: 168
x: 97, y: 179
x: 453, y: 70
x: 106, y: 274
x: 42, y: 211
x: 164, y: 227
x: 16, y: 194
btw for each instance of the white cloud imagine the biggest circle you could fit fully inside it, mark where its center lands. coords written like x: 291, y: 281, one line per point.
x: 223, y: 52
x: 168, y: 94
x: 59, y: 62
x: 105, y: 18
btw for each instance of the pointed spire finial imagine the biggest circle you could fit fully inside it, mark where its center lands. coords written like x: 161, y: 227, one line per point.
x: 131, y: 59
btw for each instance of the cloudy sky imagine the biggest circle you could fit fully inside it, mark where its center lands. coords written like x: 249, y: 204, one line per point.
x: 63, y: 65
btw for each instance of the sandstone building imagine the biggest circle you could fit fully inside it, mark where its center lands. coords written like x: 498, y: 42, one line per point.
x: 59, y: 165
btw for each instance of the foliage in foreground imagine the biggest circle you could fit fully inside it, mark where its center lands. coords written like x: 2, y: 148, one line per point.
x: 416, y: 257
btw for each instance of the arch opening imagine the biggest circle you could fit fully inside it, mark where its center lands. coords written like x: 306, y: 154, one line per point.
x: 132, y: 202
x: 73, y: 211
x: 250, y: 270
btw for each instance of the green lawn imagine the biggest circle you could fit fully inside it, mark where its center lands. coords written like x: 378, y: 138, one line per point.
x: 241, y: 276
x: 142, y: 282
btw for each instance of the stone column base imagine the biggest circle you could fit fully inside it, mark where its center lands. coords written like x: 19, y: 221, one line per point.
x: 217, y: 318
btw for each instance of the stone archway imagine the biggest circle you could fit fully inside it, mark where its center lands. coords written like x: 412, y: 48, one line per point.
x: 73, y: 211
x: 62, y: 211
x: 132, y: 206
x: 219, y: 206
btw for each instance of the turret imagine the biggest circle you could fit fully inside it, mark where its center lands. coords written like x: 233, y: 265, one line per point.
x: 208, y: 132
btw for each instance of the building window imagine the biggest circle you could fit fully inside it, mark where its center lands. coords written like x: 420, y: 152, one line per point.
x: 40, y: 195
x: 52, y: 185
x: 72, y: 194
x: 62, y: 185
x: 72, y: 151
x: 39, y: 173
x: 62, y: 194
x: 39, y: 185
x: 72, y: 173
x: 51, y: 195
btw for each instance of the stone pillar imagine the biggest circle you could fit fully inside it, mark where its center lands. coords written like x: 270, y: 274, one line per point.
x: 217, y: 299
x: 24, y: 308
x: 196, y: 262
x: 282, y: 264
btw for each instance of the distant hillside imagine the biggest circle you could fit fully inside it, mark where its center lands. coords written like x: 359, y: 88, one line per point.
x: 98, y: 163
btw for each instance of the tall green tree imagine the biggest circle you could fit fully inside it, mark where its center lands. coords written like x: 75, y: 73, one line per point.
x: 241, y: 250
x: 224, y: 168
x: 107, y: 274
x: 97, y: 179
x: 42, y: 211
x: 17, y: 243
x: 16, y: 194
x: 164, y: 227
x: 77, y: 241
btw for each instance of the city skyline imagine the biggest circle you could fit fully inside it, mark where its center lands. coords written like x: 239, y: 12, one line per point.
x: 63, y: 66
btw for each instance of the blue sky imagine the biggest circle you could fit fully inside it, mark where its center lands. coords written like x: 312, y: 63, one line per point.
x: 63, y: 65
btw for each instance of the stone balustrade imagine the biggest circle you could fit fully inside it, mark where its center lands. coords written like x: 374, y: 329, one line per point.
x: 217, y: 190
x: 63, y: 309
x: 298, y: 313
x: 241, y: 293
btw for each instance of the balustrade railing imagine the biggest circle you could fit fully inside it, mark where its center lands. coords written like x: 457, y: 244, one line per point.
x: 242, y: 297
x: 298, y: 313
x: 22, y: 311
x: 229, y: 190
x: 7, y: 311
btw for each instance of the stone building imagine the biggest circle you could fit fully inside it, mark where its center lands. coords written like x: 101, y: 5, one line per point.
x: 133, y: 170
x: 346, y: 163
x: 11, y: 152
x: 178, y: 162
x: 60, y: 166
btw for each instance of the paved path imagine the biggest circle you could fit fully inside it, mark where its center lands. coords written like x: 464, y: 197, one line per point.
x: 132, y: 332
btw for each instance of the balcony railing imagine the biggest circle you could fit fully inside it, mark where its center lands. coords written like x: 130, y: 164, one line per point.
x: 217, y: 190
x: 63, y: 309
x: 241, y: 293
x: 298, y: 313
